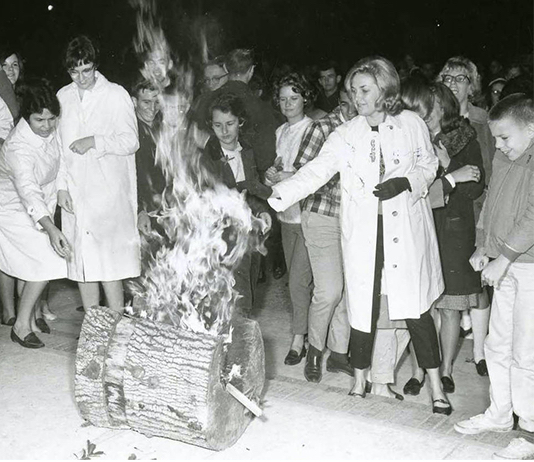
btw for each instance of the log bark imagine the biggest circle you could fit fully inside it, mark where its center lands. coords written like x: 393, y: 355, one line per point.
x: 164, y: 381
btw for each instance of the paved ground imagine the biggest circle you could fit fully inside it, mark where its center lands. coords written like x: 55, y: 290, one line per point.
x: 39, y: 419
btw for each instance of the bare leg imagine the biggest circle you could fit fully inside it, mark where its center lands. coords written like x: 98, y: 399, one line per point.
x: 297, y: 343
x: 436, y: 387
x: 7, y: 295
x: 114, y: 295
x: 25, y: 319
x: 450, y: 333
x: 480, y: 321
x: 90, y: 293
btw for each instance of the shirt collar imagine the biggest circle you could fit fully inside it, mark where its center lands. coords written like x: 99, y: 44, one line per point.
x: 34, y: 139
x: 230, y: 153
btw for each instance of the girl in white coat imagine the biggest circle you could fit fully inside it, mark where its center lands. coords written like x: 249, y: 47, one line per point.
x: 386, y: 163
x: 32, y: 249
x: 97, y: 180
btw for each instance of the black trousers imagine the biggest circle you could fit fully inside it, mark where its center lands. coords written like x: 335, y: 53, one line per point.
x: 422, y: 330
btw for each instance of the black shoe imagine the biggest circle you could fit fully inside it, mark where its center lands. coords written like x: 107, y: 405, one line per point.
x: 482, y: 368
x: 448, y: 384
x: 10, y: 322
x: 337, y: 366
x: 441, y: 410
x: 413, y: 386
x: 368, y: 386
x: 42, y: 325
x: 30, y: 341
x: 359, y: 395
x: 294, y: 357
x: 314, y: 363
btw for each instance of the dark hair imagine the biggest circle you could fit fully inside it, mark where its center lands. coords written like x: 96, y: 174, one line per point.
x: 81, y: 50
x: 417, y: 96
x: 36, y: 95
x: 519, y: 84
x: 140, y: 85
x: 217, y: 61
x: 298, y: 83
x: 386, y: 78
x: 519, y: 107
x: 239, y: 61
x: 451, y: 119
x: 325, y: 65
x: 6, y: 53
x: 229, y: 103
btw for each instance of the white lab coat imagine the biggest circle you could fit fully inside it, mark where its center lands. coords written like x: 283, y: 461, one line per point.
x: 102, y: 182
x: 29, y: 165
x: 412, y: 270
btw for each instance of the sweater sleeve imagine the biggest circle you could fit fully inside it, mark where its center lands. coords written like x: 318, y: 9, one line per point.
x: 473, y: 189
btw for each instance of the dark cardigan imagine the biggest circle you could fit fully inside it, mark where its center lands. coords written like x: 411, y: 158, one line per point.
x: 257, y: 193
x: 455, y: 222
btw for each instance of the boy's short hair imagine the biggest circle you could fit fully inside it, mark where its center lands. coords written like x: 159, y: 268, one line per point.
x: 81, y: 50
x: 518, y: 107
x: 140, y: 85
x: 239, y: 61
x: 326, y: 65
x: 228, y: 103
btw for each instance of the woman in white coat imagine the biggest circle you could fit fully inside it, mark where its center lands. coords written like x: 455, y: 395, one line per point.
x: 32, y: 249
x: 386, y: 163
x: 97, y: 180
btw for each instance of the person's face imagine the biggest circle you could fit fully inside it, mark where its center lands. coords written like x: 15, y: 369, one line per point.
x: 43, y: 124
x: 328, y: 80
x: 511, y: 137
x: 347, y: 105
x: 433, y: 121
x: 226, y: 127
x: 458, y: 81
x: 496, y: 90
x: 147, y: 105
x: 11, y: 67
x: 84, y: 76
x: 365, y: 93
x: 214, y: 77
x: 158, y: 65
x: 291, y: 103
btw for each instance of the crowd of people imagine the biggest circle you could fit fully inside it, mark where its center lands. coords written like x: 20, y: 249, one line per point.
x: 399, y: 206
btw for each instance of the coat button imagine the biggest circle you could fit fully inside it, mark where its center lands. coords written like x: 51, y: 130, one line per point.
x: 394, y: 266
x: 396, y: 161
x: 395, y: 240
x: 395, y: 213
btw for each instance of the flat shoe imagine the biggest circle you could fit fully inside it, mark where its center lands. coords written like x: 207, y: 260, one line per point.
x: 448, y: 384
x: 30, y: 341
x: 294, y: 357
x: 10, y: 322
x: 441, y: 410
x: 413, y: 386
x: 358, y: 395
x: 42, y: 325
x: 482, y: 368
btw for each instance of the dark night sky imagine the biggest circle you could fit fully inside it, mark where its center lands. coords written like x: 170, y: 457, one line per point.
x: 293, y: 31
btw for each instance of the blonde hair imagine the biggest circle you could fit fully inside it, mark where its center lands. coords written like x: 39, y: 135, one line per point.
x: 461, y: 62
x: 386, y: 78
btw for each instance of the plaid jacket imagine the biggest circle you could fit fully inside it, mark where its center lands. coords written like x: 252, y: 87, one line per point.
x: 326, y: 200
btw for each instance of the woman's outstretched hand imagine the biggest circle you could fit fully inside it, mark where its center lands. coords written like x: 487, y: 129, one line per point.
x: 466, y: 174
x: 391, y: 188
x: 59, y: 242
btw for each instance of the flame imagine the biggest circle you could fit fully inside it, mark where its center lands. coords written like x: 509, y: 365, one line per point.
x: 204, y: 228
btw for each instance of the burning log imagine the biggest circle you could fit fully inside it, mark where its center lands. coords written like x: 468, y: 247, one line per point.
x: 163, y: 380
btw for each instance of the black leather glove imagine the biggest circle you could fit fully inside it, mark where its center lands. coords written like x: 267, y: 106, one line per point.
x: 391, y: 188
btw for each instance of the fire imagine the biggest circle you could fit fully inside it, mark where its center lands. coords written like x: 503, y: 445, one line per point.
x: 204, y: 229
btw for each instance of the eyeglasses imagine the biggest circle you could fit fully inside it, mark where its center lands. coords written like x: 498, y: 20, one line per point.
x: 83, y: 73
x: 460, y: 78
x: 215, y: 79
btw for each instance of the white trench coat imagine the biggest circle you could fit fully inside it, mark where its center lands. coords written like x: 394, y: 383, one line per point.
x: 412, y: 269
x: 102, y: 182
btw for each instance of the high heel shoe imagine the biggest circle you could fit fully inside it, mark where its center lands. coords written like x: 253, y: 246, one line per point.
x: 30, y: 341
x: 441, y: 410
